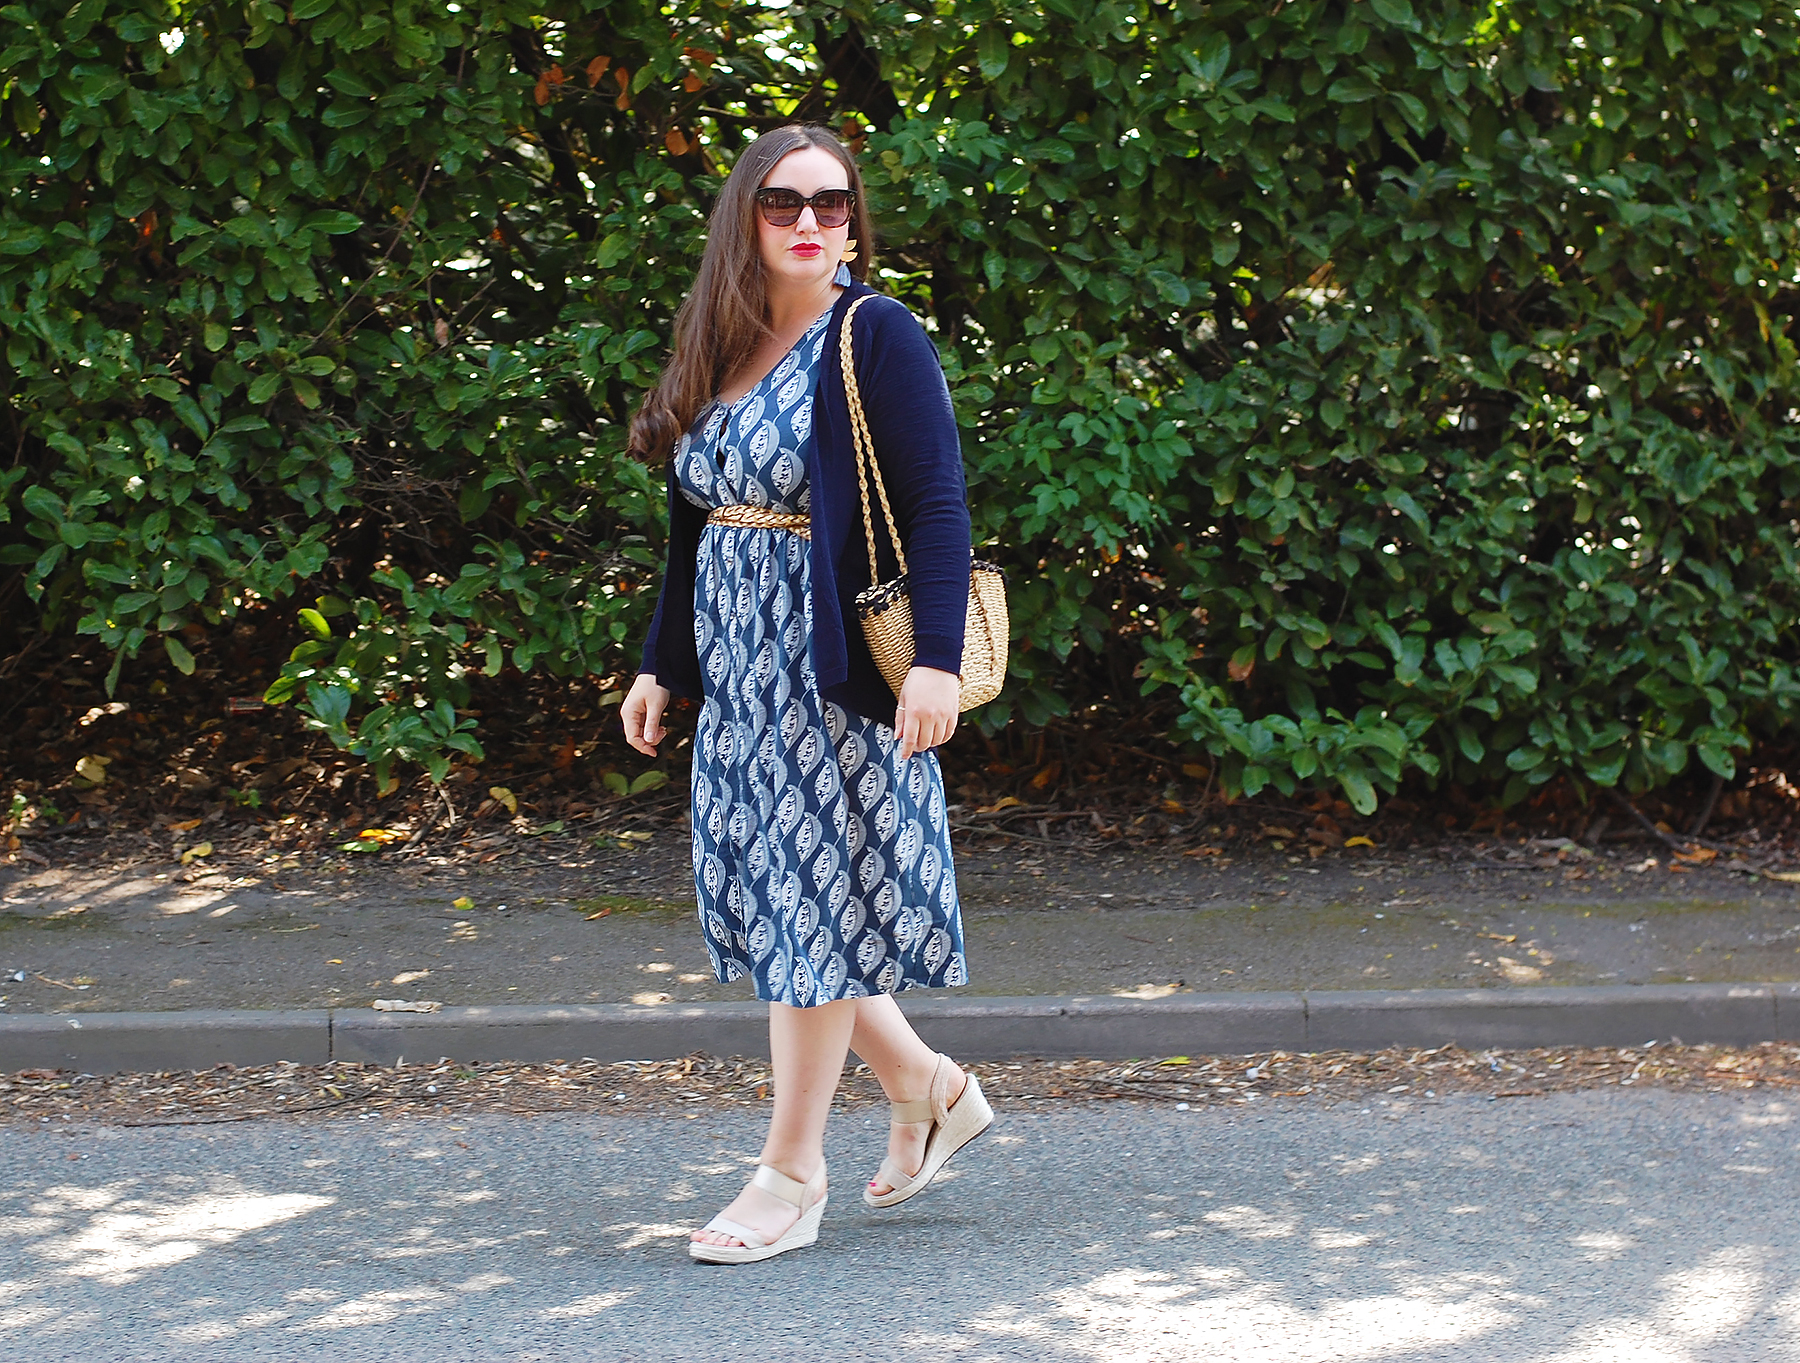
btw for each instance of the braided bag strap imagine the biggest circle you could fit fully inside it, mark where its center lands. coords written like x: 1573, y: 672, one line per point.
x: 865, y: 450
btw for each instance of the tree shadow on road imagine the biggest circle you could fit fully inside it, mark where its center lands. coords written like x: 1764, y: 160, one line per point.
x: 1642, y: 1227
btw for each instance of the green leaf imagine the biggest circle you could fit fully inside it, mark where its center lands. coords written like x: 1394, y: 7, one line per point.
x: 17, y: 241
x: 1214, y: 57
x: 614, y: 248
x: 1605, y: 772
x: 25, y: 118
x: 1413, y: 109
x: 1397, y: 12
x: 315, y: 622
x: 335, y: 222
x: 1359, y: 792
x: 179, y: 655
x: 41, y: 502
x: 1717, y: 760
x: 345, y: 81
x: 190, y: 415
x: 1520, y: 677
x: 994, y: 52
x: 1352, y: 90
x: 1468, y: 744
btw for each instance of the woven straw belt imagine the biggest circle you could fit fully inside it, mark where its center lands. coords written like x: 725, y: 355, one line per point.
x: 761, y: 518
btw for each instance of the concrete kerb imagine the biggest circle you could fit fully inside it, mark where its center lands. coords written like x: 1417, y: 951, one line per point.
x: 526, y: 1032
x: 1573, y: 1015
x: 105, y: 1043
x: 1108, y: 1028
x: 968, y: 1026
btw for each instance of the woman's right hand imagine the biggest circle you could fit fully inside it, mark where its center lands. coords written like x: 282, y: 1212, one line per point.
x: 642, y: 713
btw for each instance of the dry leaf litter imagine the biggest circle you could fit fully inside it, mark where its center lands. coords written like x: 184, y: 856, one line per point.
x: 700, y: 1083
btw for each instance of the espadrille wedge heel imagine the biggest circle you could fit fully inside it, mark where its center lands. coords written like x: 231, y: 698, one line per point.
x: 954, y: 1123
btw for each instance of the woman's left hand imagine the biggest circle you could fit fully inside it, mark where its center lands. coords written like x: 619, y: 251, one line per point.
x: 926, y: 715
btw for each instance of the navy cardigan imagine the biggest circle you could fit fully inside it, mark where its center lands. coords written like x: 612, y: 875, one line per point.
x: 907, y: 404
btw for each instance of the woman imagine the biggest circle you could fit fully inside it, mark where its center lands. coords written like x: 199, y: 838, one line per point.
x: 821, y: 839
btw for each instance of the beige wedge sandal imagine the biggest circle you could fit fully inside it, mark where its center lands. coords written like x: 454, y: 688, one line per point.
x: 954, y: 1123
x: 755, y: 1248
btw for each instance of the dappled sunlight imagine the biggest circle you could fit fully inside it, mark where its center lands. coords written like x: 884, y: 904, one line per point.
x: 1139, y: 1316
x: 378, y: 1308
x: 71, y: 1240
x: 1787, y: 1311
x: 1574, y: 1236
x: 322, y: 1311
x: 44, y: 1320
x: 1773, y: 1114
x: 590, y: 1306
x: 1365, y: 1257
x: 1692, y: 1311
x: 1252, y: 1222
x: 1241, y: 1318
x: 1600, y: 1246
x: 633, y: 1234
x: 433, y: 1237
x: 115, y: 1237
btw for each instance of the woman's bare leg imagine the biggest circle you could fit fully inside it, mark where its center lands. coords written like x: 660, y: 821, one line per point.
x: 807, y: 1046
x: 904, y: 1064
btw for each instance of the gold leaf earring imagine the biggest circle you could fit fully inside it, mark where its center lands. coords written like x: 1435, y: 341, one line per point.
x: 849, y: 251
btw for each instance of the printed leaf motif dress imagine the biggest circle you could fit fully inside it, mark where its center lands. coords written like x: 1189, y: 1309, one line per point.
x: 821, y: 860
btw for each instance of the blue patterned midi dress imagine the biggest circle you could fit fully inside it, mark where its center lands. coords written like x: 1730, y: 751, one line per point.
x: 821, y: 860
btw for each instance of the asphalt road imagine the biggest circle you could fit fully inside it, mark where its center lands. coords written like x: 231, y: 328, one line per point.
x: 1640, y: 1226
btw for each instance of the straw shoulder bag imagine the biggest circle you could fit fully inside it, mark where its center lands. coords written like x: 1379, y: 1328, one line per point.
x: 885, y: 609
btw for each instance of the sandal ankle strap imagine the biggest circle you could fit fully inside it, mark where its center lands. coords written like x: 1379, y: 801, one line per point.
x: 777, y: 1184
x: 935, y: 1106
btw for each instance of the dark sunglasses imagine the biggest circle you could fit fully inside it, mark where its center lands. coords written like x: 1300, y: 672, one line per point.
x: 781, y: 207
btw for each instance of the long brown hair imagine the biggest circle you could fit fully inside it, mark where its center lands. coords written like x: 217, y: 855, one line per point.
x: 726, y: 314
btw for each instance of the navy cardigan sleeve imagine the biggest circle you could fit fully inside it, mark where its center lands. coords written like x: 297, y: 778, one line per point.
x: 913, y: 425
x: 676, y: 667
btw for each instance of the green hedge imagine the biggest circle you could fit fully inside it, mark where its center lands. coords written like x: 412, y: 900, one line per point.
x: 1406, y: 388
